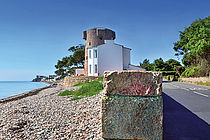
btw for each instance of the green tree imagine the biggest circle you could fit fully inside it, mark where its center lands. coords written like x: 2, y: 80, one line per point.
x: 146, y: 65
x: 170, y: 67
x: 172, y: 64
x: 77, y: 59
x: 194, y: 45
x: 179, y: 70
x: 159, y: 65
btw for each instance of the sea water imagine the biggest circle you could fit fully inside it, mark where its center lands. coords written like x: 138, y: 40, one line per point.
x: 10, y: 88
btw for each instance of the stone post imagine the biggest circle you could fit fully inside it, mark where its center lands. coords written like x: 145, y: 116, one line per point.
x: 132, y: 107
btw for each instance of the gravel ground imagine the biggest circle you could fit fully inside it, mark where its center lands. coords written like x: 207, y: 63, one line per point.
x: 48, y: 116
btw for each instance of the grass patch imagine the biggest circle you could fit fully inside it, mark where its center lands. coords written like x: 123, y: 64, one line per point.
x: 75, y: 98
x: 66, y: 93
x: 100, y: 80
x: 203, y: 83
x: 87, y: 89
x: 198, y: 83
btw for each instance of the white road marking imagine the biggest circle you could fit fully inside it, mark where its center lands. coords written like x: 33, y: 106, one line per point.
x: 193, y: 90
x: 200, y: 94
x: 202, y: 89
x: 176, y: 86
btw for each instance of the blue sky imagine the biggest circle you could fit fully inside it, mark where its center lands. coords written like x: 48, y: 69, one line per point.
x: 34, y: 34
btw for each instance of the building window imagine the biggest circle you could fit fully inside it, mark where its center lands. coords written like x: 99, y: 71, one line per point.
x: 101, y: 38
x: 96, y: 68
x: 95, y: 53
x: 89, y: 53
x: 89, y: 43
x: 86, y: 57
x: 90, y: 68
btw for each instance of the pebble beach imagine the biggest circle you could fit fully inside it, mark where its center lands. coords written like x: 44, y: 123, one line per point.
x: 48, y: 116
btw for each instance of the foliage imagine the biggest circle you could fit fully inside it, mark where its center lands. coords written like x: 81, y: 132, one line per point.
x: 65, y: 65
x: 87, y: 89
x: 166, y: 73
x: 146, y: 65
x: 194, y: 46
x: 192, y: 71
x: 179, y: 70
x: 172, y: 64
x: 160, y: 65
x: 170, y: 69
x: 170, y: 75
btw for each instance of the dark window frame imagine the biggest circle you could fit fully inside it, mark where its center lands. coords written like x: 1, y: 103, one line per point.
x: 90, y: 68
x: 96, y: 68
x: 95, y: 53
x: 90, y: 54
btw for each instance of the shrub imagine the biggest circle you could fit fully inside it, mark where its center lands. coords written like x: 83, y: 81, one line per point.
x: 166, y: 73
x: 192, y: 71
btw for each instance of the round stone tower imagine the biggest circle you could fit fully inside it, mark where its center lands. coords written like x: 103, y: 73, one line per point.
x: 94, y: 37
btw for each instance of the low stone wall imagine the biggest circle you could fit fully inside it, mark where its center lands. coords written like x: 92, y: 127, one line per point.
x: 23, y: 95
x: 72, y: 80
x: 132, y: 107
x: 196, y: 79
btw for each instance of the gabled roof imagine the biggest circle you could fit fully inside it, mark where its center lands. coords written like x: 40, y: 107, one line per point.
x: 113, y: 43
x: 77, y: 67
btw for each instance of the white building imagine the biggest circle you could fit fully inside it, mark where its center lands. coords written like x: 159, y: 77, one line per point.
x: 109, y: 57
x: 79, y: 71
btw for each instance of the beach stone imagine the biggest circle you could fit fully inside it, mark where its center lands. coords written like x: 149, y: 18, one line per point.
x: 133, y: 83
x: 51, y: 117
x: 127, y: 117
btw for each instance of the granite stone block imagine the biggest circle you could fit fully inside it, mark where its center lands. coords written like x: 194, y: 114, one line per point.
x: 133, y: 83
x: 132, y: 117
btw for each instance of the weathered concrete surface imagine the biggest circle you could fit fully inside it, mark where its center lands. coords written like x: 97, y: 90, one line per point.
x: 129, y: 117
x: 133, y: 83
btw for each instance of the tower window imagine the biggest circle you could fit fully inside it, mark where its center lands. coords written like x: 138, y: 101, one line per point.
x: 89, y: 53
x: 101, y: 38
x: 90, y: 68
x: 89, y: 43
x: 95, y: 68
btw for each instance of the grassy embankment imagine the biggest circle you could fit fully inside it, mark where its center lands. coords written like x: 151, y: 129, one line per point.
x: 87, y: 89
x: 198, y: 83
x: 203, y: 83
x: 206, y: 83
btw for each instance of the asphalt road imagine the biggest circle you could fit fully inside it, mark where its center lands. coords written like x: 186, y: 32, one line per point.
x: 186, y: 111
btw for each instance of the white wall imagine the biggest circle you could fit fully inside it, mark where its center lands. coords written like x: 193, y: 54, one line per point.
x: 78, y: 72
x: 131, y: 67
x: 110, y: 57
x: 92, y: 61
x: 126, y: 57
